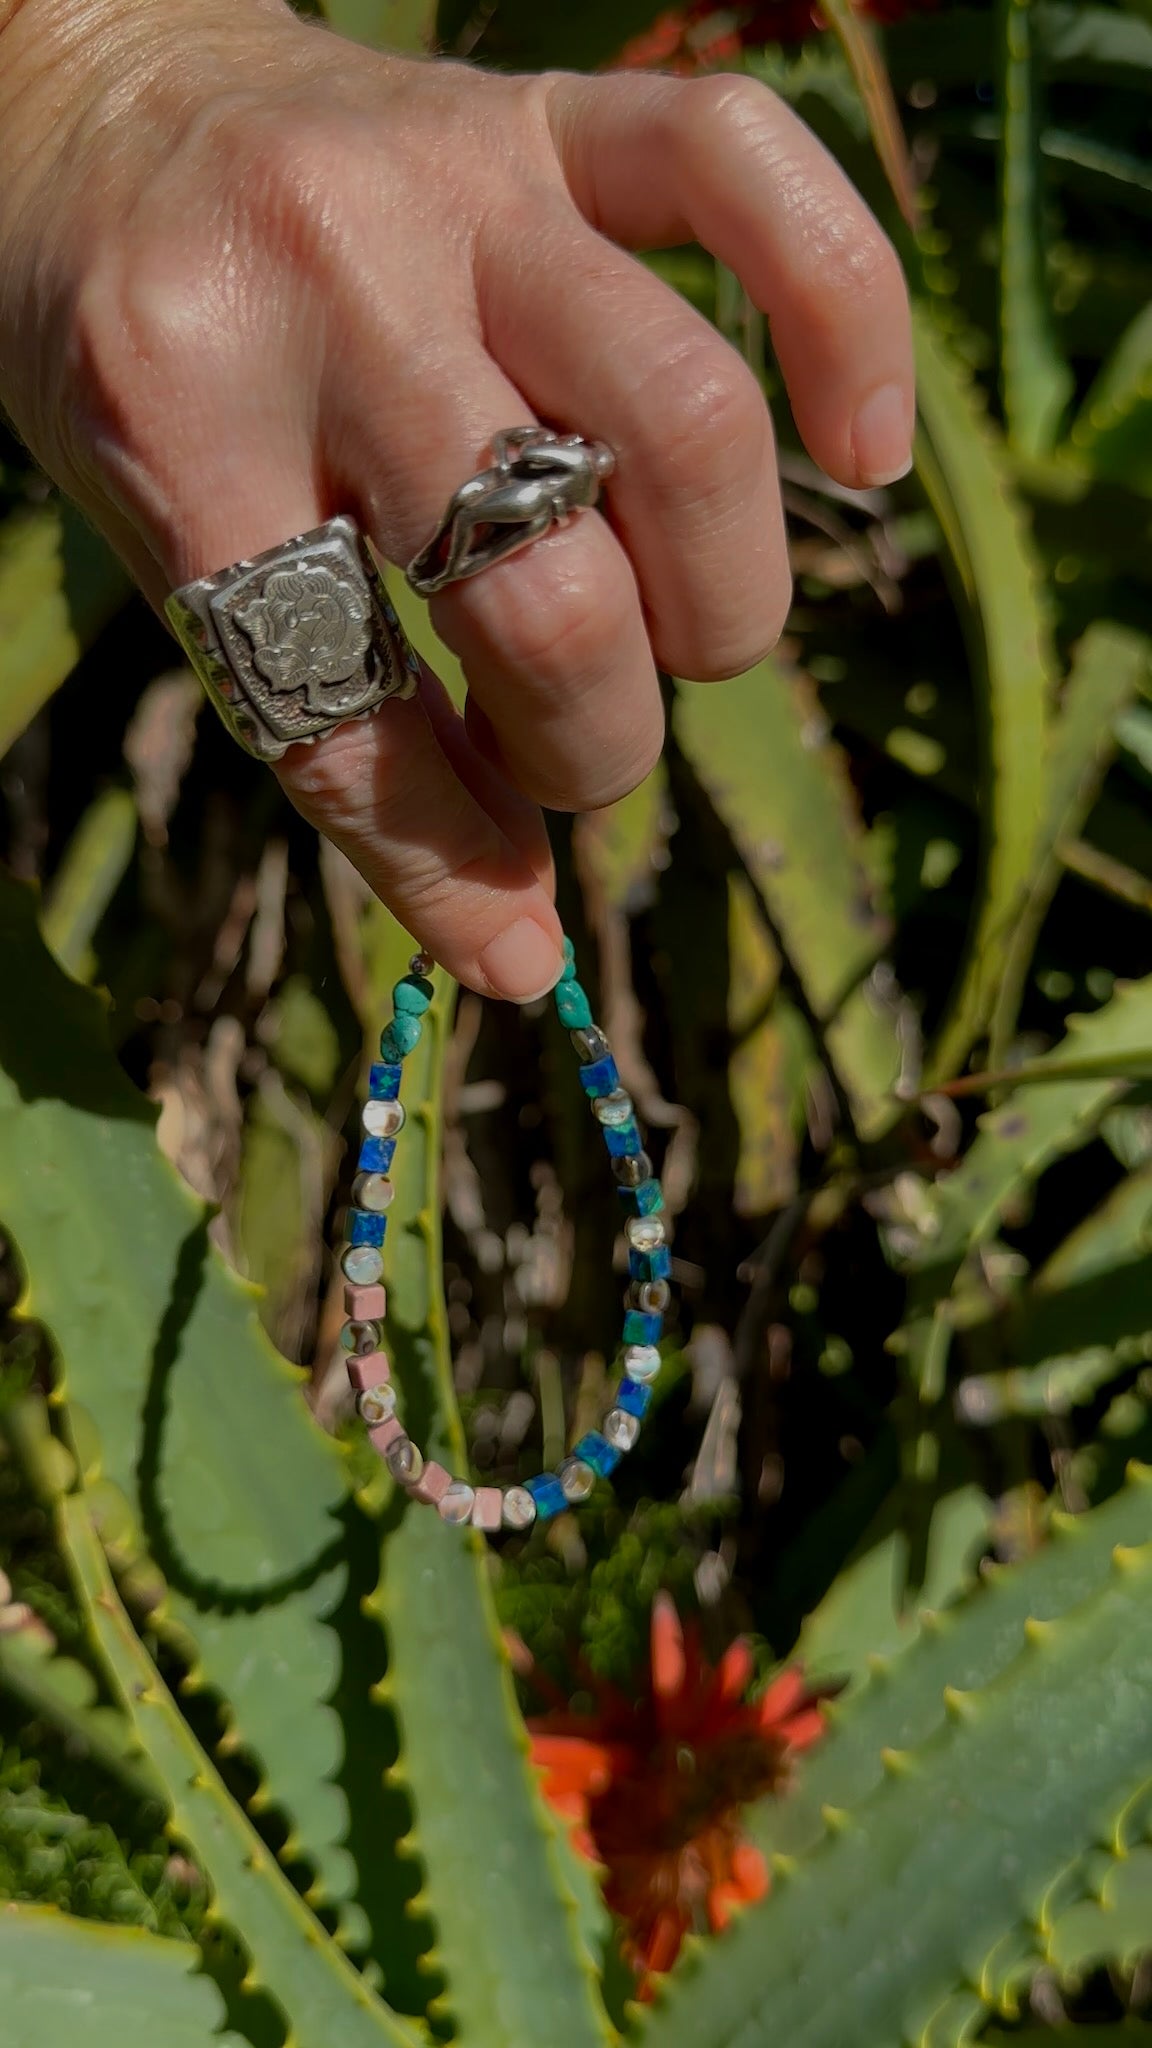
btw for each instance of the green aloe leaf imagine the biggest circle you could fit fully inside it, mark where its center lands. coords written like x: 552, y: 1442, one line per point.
x: 1036, y: 380
x: 932, y: 1771
x: 511, y: 1910
x: 200, y: 1425
x: 91, y: 869
x: 59, y: 584
x: 962, y: 468
x: 1112, y: 432
x: 319, y: 1992
x: 759, y: 748
x: 64, y: 1980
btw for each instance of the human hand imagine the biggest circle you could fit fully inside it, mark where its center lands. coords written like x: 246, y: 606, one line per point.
x: 252, y: 275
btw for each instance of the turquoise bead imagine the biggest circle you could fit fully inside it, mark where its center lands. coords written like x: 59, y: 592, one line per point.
x: 572, y: 1005
x: 412, y: 995
x: 399, y: 1037
x: 569, y: 959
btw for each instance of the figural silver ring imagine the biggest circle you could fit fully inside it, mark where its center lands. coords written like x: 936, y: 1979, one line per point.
x: 296, y: 641
x: 536, y: 480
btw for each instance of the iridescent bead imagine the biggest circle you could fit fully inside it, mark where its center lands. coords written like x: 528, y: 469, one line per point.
x: 641, y: 1362
x: 572, y: 1005
x: 376, y: 1404
x: 362, y: 1264
x: 519, y: 1510
x: 456, y: 1504
x: 590, y: 1044
x: 361, y: 1338
x: 633, y: 1169
x: 621, y: 1429
x: 405, y: 1460
x: 373, y: 1191
x: 651, y: 1297
x: 421, y: 963
x: 577, y: 1480
x: 614, y: 1109
x: 644, y: 1233
x: 383, y: 1119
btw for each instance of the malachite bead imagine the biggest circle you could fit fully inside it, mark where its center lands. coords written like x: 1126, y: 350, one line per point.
x: 644, y: 1200
x: 366, y: 1229
x: 398, y: 1038
x: 376, y: 1155
x: 572, y: 1005
x: 642, y: 1329
x: 623, y: 1140
x: 653, y: 1265
x: 600, y: 1078
x: 595, y: 1450
x: 634, y: 1397
x: 412, y: 995
x: 384, y: 1081
x: 548, y: 1495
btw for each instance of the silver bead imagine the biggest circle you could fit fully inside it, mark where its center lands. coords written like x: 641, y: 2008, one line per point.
x: 361, y: 1338
x: 621, y: 1429
x: 632, y: 1169
x: 650, y: 1296
x: 615, y: 1109
x: 456, y: 1504
x: 641, y: 1362
x: 362, y: 1264
x: 405, y: 1460
x: 590, y: 1044
x: 645, y: 1233
x: 519, y: 1509
x: 421, y: 963
x: 576, y: 1478
x: 372, y: 1191
x: 383, y: 1119
x: 376, y: 1404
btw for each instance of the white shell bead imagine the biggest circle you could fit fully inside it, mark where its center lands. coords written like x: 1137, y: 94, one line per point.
x: 614, y: 1109
x: 621, y: 1429
x: 363, y: 1264
x: 641, y: 1362
x: 382, y: 1119
x: 372, y: 1191
x: 645, y: 1233
x: 456, y: 1504
x: 519, y: 1509
x: 576, y: 1478
x: 376, y: 1404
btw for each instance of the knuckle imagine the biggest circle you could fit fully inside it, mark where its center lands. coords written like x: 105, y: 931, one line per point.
x: 706, y: 407
x: 731, y: 103
x: 553, y: 618
x: 849, y: 257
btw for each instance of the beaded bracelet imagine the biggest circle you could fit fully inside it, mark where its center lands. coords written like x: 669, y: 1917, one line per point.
x: 599, y: 1451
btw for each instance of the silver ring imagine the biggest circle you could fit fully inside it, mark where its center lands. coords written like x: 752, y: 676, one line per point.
x: 536, y: 479
x: 296, y: 641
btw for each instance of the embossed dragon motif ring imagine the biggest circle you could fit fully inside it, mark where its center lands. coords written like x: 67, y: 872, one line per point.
x: 536, y: 480
x: 297, y: 640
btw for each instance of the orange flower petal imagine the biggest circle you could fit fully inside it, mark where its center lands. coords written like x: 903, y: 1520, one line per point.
x: 749, y: 1871
x: 669, y: 1664
x: 804, y: 1729
x: 782, y: 1698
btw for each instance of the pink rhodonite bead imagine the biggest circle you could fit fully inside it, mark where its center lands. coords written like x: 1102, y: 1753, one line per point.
x: 487, y: 1508
x: 385, y: 1433
x: 432, y: 1485
x: 365, y: 1304
x: 369, y: 1371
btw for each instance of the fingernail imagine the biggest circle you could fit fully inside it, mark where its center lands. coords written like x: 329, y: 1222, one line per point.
x: 882, y: 436
x: 522, y: 962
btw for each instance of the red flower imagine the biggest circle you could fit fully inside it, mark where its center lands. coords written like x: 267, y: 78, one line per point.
x: 653, y: 1787
x: 703, y: 35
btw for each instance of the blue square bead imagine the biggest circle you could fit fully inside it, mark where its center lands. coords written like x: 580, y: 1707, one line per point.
x: 376, y: 1155
x: 364, y: 1228
x: 596, y: 1451
x: 548, y: 1495
x: 653, y: 1265
x: 383, y: 1082
x: 645, y: 1200
x: 622, y: 1140
x: 600, y: 1077
x: 642, y: 1329
x: 633, y: 1398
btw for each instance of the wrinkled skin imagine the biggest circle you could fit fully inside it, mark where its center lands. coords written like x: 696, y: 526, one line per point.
x: 252, y: 275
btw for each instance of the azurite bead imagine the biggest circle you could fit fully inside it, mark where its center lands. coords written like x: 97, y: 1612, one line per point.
x: 595, y: 1450
x: 600, y: 1077
x: 642, y: 1329
x: 384, y: 1081
x: 645, y: 1200
x: 634, y: 1397
x: 366, y: 1229
x: 653, y: 1265
x: 412, y: 995
x: 623, y: 1140
x: 572, y: 1005
x: 376, y: 1155
x: 548, y: 1495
